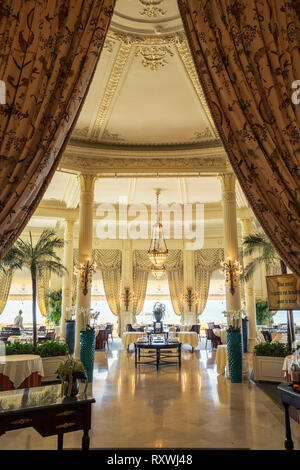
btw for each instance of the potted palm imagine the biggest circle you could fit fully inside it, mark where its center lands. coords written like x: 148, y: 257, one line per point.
x: 39, y: 257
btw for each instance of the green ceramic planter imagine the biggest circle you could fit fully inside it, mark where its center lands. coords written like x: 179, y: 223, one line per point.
x: 87, y: 352
x: 235, y: 359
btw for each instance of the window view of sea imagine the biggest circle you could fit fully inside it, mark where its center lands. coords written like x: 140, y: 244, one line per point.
x: 213, y: 312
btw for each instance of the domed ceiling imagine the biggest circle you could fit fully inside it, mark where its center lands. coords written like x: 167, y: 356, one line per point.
x: 145, y: 92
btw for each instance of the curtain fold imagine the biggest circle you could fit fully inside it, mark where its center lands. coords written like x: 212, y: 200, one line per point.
x: 141, y: 269
x: 207, y: 260
x: 5, y: 284
x: 247, y: 58
x: 49, y: 52
x: 110, y: 263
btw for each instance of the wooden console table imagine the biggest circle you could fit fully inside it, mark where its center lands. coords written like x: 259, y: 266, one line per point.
x: 47, y: 412
x: 288, y: 397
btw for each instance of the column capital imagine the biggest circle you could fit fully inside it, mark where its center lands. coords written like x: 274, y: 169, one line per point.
x: 227, y: 181
x: 87, y: 182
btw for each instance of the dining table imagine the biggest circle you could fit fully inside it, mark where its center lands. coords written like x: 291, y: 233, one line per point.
x: 188, y: 337
x: 222, y: 334
x: 20, y: 371
x: 129, y: 337
x: 222, y: 360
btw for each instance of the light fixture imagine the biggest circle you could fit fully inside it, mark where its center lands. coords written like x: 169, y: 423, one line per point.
x: 232, y: 271
x: 158, y: 251
x: 190, y: 298
x: 126, y: 297
x: 84, y: 271
x: 158, y: 271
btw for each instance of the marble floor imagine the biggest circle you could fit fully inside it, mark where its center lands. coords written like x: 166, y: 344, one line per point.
x: 191, y: 408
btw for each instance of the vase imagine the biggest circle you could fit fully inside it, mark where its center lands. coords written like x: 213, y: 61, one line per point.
x: 235, y: 359
x: 70, y: 335
x: 158, y: 316
x: 74, y: 388
x: 87, y: 352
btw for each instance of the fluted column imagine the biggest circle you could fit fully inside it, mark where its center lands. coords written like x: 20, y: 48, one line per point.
x: 126, y: 315
x: 189, y: 316
x: 249, y: 289
x: 67, y: 279
x: 233, y: 301
x: 87, y: 183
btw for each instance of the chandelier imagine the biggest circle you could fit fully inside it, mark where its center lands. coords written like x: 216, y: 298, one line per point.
x: 158, y: 271
x: 158, y: 251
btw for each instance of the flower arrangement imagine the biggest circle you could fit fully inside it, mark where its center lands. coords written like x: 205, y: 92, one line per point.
x: 69, y: 372
x: 234, y: 320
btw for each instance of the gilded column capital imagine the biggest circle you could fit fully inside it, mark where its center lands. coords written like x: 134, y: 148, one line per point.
x: 87, y: 182
x: 227, y: 181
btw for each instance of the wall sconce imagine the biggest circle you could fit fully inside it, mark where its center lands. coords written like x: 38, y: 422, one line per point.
x: 190, y: 298
x: 85, y: 274
x: 232, y: 271
x: 126, y: 297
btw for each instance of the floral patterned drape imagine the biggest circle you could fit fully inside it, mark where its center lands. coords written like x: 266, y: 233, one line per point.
x: 49, y: 52
x: 42, y: 291
x: 247, y: 57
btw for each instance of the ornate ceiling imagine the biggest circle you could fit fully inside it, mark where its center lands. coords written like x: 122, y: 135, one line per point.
x: 145, y: 95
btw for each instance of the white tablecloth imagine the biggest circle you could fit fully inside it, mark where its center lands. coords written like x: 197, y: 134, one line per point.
x: 22, y: 339
x: 222, y: 359
x: 189, y: 337
x: 131, y: 337
x: 221, y: 333
x: 20, y: 366
x: 185, y: 327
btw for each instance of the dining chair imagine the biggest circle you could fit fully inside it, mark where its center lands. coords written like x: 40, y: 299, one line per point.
x: 210, y: 336
x: 102, y: 339
x: 109, y: 329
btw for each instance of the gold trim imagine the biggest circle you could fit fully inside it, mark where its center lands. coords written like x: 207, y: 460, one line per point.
x: 22, y: 421
x: 110, y: 90
x: 65, y: 425
x: 66, y: 413
x: 187, y: 60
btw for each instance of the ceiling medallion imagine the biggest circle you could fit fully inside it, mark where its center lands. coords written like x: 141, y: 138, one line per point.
x: 151, y: 8
x: 154, y: 56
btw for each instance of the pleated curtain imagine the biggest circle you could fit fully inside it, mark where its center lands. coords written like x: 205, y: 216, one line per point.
x: 110, y: 263
x: 207, y: 260
x: 5, y: 284
x: 42, y: 289
x: 49, y: 52
x: 247, y: 57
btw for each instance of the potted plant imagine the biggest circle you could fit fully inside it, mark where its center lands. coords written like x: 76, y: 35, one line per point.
x: 234, y: 345
x: 268, y: 361
x: 87, y: 344
x: 52, y: 354
x: 159, y: 310
x: 54, y: 302
x: 69, y: 372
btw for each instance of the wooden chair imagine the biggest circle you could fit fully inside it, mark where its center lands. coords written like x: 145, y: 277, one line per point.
x: 210, y: 336
x: 102, y: 339
x: 129, y: 327
x: 109, y: 329
x: 196, y: 329
x: 50, y: 336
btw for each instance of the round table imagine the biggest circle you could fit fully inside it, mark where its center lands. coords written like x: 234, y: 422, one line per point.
x: 222, y: 359
x: 188, y: 337
x: 131, y: 337
x: 221, y: 333
x: 20, y: 371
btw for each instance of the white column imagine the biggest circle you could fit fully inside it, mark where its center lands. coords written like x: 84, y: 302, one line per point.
x: 87, y: 183
x: 126, y: 315
x: 231, y: 249
x: 249, y: 289
x: 189, y: 315
x: 67, y: 279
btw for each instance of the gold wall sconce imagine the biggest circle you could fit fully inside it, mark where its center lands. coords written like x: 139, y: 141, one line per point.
x: 84, y: 271
x: 126, y: 297
x: 190, y: 298
x: 232, y: 271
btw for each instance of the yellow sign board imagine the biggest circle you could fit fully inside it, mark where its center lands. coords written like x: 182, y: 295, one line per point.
x: 283, y: 292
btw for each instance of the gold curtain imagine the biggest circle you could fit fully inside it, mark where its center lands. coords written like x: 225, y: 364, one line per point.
x: 110, y: 263
x: 207, y: 260
x: 142, y: 268
x: 5, y: 283
x: 174, y: 267
x: 49, y: 52
x: 247, y: 57
x: 42, y: 291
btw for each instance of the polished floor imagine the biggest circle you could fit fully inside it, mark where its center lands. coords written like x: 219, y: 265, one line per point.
x: 191, y: 408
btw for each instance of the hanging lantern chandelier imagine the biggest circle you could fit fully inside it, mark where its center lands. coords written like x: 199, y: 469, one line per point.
x: 158, y: 271
x: 158, y: 251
